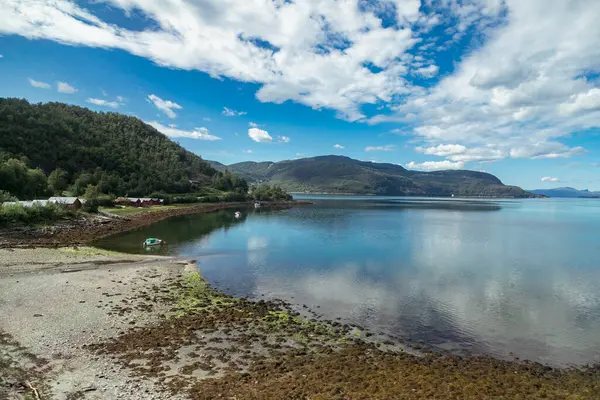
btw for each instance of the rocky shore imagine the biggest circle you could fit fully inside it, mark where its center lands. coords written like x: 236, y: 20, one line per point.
x: 89, y: 227
x: 81, y: 323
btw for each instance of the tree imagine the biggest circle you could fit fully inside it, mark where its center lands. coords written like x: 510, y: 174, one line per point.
x: 92, y: 192
x: 21, y: 181
x: 5, y: 196
x: 57, y: 180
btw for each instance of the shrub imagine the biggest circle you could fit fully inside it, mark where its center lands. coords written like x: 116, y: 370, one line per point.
x: 18, y: 214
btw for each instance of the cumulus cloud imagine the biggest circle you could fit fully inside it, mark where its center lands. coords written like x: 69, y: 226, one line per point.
x: 435, y: 165
x: 166, y: 106
x: 428, y: 72
x: 39, y: 84
x: 64, y: 87
x: 550, y: 179
x: 103, y: 103
x: 196, y: 133
x: 248, y: 151
x: 253, y: 125
x: 283, y: 139
x: 232, y: 113
x: 389, y: 147
x: 519, y: 83
x: 259, y: 135
x: 338, y: 146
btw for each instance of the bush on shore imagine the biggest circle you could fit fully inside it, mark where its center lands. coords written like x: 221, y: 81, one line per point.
x: 37, y: 214
x: 270, y: 193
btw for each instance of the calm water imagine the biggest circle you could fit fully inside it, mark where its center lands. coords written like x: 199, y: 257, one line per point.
x: 490, y: 277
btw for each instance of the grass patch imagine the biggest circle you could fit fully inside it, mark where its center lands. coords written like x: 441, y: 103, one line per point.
x: 127, y: 210
x: 89, y: 251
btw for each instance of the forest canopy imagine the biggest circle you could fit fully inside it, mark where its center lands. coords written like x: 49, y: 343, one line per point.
x: 52, y: 147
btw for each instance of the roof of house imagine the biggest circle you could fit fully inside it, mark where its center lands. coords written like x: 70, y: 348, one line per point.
x: 27, y: 203
x: 64, y: 200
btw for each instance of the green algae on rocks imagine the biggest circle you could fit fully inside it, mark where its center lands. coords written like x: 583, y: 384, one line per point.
x: 213, y: 345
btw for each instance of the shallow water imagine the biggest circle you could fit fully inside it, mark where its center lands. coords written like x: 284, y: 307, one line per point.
x: 495, y: 277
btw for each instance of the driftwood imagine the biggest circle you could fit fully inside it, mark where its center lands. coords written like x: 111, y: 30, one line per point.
x: 37, y: 394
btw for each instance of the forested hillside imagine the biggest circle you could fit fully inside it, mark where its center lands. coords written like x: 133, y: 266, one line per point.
x: 76, y: 147
x: 337, y: 174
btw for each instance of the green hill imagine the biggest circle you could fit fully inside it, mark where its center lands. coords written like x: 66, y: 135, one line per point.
x: 118, y: 153
x: 337, y: 174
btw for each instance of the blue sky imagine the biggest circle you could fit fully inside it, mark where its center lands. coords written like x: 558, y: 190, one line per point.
x: 488, y: 85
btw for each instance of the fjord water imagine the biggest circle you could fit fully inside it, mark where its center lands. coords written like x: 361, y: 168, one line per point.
x: 498, y: 277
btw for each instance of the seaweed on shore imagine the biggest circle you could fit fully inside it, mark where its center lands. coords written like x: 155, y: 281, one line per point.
x: 213, y: 345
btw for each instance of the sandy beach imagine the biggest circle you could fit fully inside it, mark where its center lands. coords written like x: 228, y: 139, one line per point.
x: 53, y: 301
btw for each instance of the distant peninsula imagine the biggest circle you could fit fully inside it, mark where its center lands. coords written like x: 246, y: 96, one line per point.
x: 344, y: 175
x: 567, y: 192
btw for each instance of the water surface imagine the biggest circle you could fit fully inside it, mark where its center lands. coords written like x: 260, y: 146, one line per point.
x: 497, y: 277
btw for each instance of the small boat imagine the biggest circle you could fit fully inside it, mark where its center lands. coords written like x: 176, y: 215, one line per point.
x: 257, y: 205
x: 153, y: 242
x: 238, y: 215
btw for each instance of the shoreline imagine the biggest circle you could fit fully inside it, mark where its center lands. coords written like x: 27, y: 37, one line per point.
x: 86, y: 229
x: 93, y: 324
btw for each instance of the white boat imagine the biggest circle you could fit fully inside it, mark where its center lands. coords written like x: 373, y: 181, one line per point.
x: 238, y: 214
x: 257, y: 205
x: 153, y: 242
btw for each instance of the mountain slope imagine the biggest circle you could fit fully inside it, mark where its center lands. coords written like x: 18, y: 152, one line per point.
x: 566, y: 192
x: 337, y: 174
x: 121, y: 154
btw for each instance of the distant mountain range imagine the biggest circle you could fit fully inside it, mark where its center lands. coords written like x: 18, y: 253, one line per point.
x: 566, y: 192
x: 343, y: 175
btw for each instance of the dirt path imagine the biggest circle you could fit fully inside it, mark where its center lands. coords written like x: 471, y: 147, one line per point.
x: 54, y: 301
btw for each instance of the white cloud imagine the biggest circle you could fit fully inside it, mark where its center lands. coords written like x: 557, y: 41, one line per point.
x: 39, y: 84
x: 165, y: 106
x: 299, y: 154
x: 103, y: 103
x: 120, y: 99
x: 389, y: 147
x: 196, y: 133
x: 435, y: 165
x: 582, y: 102
x: 104, y: 93
x: 64, y: 87
x: 232, y: 113
x: 428, y: 72
x: 283, y: 139
x: 206, y: 119
x: 519, y: 83
x: 248, y: 151
x: 550, y: 179
x: 253, y: 125
x: 338, y: 146
x: 1, y: 56
x: 442, y: 149
x: 259, y: 135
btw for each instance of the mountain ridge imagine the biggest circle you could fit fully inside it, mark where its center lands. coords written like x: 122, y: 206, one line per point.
x: 343, y: 175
